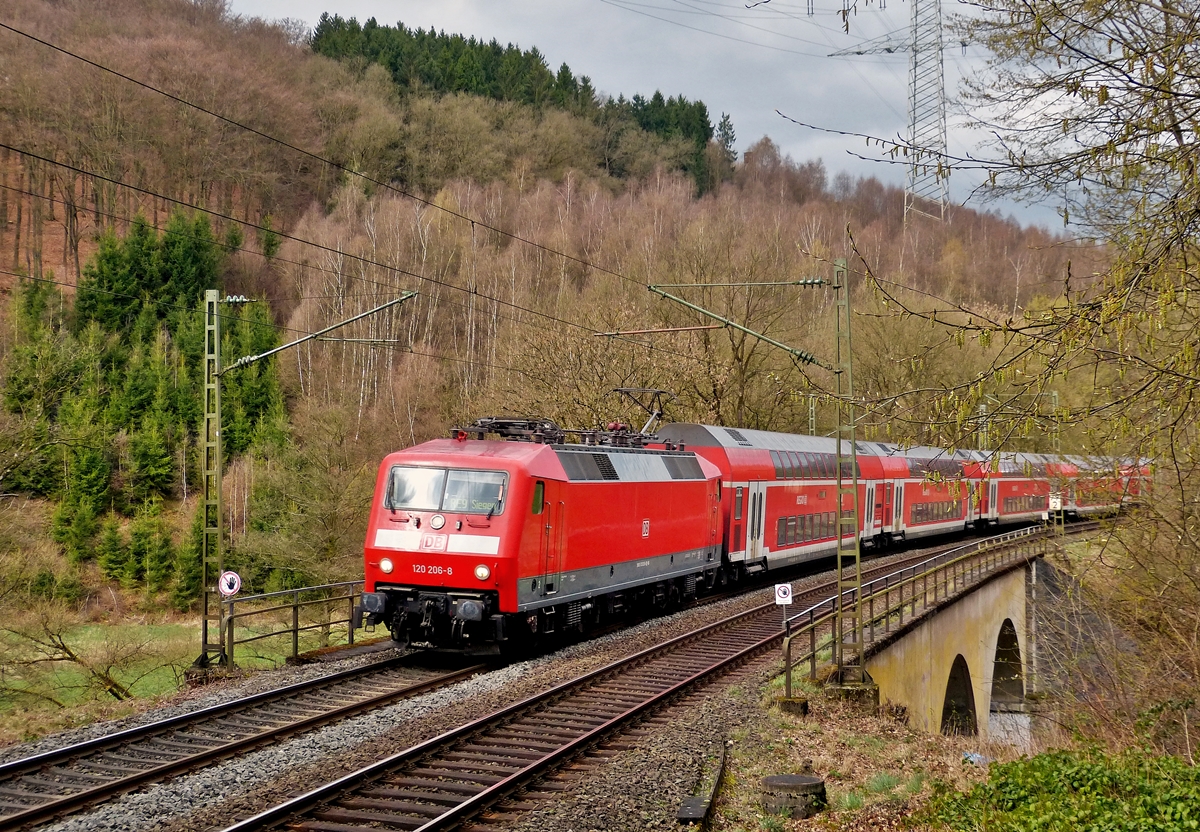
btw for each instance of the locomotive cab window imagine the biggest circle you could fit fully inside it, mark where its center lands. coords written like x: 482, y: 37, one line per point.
x: 416, y: 488
x: 439, y: 489
x: 539, y: 496
x: 474, y: 492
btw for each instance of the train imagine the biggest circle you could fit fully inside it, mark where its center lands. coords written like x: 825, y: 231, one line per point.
x: 511, y: 531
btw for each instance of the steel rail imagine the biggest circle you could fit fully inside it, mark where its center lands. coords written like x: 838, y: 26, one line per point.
x: 59, y: 805
x: 321, y: 794
x: 367, y: 777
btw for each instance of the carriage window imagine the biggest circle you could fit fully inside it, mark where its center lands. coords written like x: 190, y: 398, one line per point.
x: 539, y: 496
x: 416, y: 488
x: 737, y: 504
x: 475, y: 492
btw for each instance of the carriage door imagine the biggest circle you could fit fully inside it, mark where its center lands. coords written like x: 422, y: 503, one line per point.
x: 886, y: 513
x: 755, y: 521
x: 868, y: 523
x: 993, y: 500
x: 552, y: 545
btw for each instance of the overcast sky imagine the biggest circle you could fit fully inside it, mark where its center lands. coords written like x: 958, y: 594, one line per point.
x: 744, y: 62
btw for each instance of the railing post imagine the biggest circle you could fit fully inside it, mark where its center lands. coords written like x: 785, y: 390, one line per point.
x: 350, y: 620
x: 812, y: 648
x: 295, y: 623
x: 229, y: 636
x: 787, y: 666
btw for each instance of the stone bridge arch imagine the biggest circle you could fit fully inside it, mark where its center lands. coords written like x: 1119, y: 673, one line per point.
x: 963, y: 668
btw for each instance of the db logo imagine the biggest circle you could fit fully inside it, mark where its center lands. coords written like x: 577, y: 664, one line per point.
x: 645, y: 528
x: 433, y: 542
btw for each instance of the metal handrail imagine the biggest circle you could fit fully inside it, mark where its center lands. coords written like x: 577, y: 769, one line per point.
x: 951, y: 571
x: 348, y: 591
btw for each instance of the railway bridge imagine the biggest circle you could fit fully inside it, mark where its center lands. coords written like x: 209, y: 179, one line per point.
x: 967, y: 666
x: 951, y: 640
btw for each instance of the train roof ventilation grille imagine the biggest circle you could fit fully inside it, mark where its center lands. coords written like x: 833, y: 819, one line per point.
x: 607, y: 471
x: 739, y: 437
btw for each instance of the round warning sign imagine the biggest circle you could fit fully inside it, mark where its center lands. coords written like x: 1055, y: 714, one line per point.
x: 783, y: 593
x: 229, y: 583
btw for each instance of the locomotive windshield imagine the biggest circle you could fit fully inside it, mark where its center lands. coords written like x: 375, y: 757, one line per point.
x: 439, y: 489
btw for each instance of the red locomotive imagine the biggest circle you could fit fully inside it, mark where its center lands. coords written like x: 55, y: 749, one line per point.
x: 482, y: 543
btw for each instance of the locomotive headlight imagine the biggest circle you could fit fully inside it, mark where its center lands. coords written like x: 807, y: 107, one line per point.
x: 437, y: 521
x: 386, y: 566
x: 482, y: 572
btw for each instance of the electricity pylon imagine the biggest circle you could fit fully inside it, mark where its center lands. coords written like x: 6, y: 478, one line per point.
x: 928, y: 177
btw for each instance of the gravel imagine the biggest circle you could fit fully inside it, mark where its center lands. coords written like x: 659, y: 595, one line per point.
x: 217, y: 796
x: 195, y: 699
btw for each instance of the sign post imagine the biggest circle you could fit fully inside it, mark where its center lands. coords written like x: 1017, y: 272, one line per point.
x: 783, y: 597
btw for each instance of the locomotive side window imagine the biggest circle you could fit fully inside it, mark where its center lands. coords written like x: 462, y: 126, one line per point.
x: 475, y: 492
x: 539, y: 496
x: 416, y: 488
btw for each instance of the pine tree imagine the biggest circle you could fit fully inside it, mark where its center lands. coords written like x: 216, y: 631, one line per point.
x: 188, y: 565
x: 152, y: 465
x: 81, y: 544
x: 111, y: 551
x: 141, y: 540
x: 160, y: 549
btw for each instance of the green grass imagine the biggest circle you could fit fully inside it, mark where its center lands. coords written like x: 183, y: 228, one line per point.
x: 915, y: 784
x: 883, y: 783
x: 848, y: 802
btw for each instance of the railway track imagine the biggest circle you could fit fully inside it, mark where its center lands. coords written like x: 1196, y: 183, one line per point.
x: 454, y: 778
x: 45, y: 786
x: 57, y: 783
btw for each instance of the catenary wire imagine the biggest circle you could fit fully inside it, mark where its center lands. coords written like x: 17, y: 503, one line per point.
x: 293, y: 330
x: 316, y: 157
x: 366, y: 261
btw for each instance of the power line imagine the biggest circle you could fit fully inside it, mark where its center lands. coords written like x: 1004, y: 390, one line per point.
x: 364, y: 260
x: 337, y: 166
x: 315, y: 157
x: 274, y: 258
x: 358, y: 258
x: 630, y: 8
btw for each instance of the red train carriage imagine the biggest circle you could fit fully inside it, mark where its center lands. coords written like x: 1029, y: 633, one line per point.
x: 782, y: 487
x: 475, y: 542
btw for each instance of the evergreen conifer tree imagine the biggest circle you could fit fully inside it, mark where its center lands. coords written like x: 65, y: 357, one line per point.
x: 160, y: 549
x: 141, y: 542
x: 111, y: 551
x: 188, y: 565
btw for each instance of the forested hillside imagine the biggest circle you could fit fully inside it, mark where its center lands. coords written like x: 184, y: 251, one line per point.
x: 421, y: 61
x: 528, y: 209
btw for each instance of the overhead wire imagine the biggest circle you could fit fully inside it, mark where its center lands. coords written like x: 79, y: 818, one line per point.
x: 322, y: 247
x: 314, y: 156
x: 276, y: 259
x: 292, y: 330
